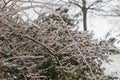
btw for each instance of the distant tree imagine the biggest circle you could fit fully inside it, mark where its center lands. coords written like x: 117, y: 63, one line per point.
x: 86, y: 6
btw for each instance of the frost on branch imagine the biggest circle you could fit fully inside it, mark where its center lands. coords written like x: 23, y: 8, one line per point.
x: 49, y: 50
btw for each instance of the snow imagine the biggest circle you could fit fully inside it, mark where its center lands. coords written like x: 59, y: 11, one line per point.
x: 112, y: 68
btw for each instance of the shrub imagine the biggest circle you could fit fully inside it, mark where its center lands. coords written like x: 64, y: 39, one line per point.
x: 49, y: 49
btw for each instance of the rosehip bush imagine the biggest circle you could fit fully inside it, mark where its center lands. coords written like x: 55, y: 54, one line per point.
x: 50, y: 50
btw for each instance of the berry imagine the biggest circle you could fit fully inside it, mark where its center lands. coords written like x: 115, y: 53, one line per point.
x: 86, y: 43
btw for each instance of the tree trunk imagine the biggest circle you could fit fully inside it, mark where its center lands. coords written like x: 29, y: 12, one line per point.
x: 84, y: 11
x: 85, y: 21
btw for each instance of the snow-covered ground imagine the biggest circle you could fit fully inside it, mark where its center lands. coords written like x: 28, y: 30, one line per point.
x: 113, y: 68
